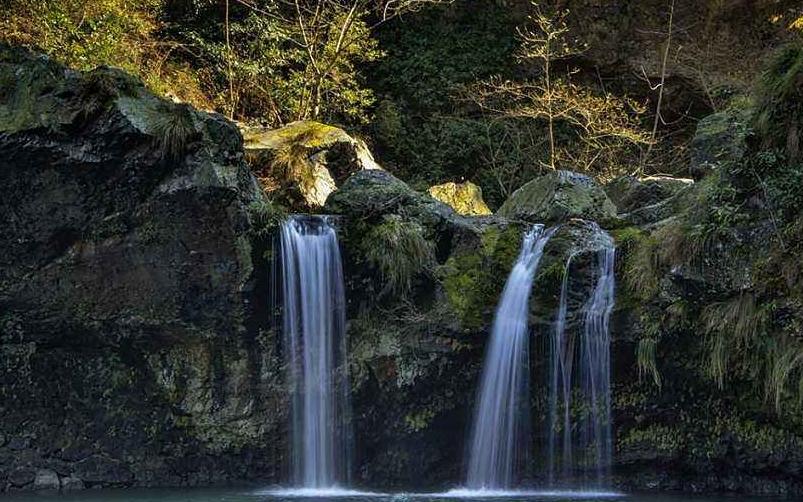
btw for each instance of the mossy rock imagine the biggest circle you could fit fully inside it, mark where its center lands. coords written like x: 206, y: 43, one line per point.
x: 473, y: 277
x: 720, y: 140
x: 465, y: 198
x: 559, y: 196
x: 304, y: 161
x: 630, y: 193
x: 373, y: 193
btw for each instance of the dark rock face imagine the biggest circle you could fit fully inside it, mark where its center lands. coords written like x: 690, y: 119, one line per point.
x: 130, y: 337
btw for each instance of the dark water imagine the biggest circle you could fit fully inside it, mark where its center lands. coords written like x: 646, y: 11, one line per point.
x: 255, y: 495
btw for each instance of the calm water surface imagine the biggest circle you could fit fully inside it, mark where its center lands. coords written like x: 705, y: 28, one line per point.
x: 256, y: 495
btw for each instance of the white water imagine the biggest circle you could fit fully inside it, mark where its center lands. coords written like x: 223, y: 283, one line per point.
x: 333, y: 492
x: 585, y: 443
x: 498, y: 440
x: 463, y: 493
x: 314, y: 330
x: 459, y: 493
x: 595, y: 357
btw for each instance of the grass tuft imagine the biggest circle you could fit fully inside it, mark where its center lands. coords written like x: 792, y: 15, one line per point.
x: 732, y: 326
x: 174, y: 130
x: 783, y: 360
x: 646, y: 360
x: 399, y: 251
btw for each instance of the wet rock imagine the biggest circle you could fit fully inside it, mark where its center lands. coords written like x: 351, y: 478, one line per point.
x: 103, y: 470
x: 71, y: 484
x: 19, y: 443
x: 127, y: 285
x: 46, y: 481
x: 21, y: 476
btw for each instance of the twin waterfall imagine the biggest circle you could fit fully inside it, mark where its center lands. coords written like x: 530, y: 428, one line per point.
x: 315, y: 344
x: 578, y: 422
x: 578, y: 439
x: 500, y: 421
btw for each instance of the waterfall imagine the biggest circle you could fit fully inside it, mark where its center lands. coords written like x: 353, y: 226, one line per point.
x: 315, y: 344
x: 498, y: 440
x: 583, y: 428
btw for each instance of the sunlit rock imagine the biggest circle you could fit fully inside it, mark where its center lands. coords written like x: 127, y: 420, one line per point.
x: 304, y: 161
x: 465, y: 198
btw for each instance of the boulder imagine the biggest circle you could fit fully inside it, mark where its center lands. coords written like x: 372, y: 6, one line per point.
x: 558, y: 196
x: 720, y: 141
x: 465, y: 198
x: 373, y: 193
x: 304, y: 161
x: 630, y: 193
x: 46, y: 481
x: 71, y: 484
x: 21, y: 477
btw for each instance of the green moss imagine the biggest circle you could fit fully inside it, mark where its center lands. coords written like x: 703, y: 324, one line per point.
x: 664, y: 440
x: 465, y: 198
x: 419, y: 420
x: 21, y: 106
x: 473, y: 280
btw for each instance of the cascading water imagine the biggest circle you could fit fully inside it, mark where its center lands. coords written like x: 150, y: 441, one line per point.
x: 498, y: 440
x: 314, y: 331
x: 586, y: 445
x: 595, y: 357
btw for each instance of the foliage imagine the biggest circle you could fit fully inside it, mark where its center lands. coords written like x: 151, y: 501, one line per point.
x: 399, y: 251
x: 423, y: 131
x: 780, y: 103
x: 642, y: 266
x: 785, y: 358
x: 586, y: 131
x: 85, y: 34
x: 281, y: 61
x: 265, y: 217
